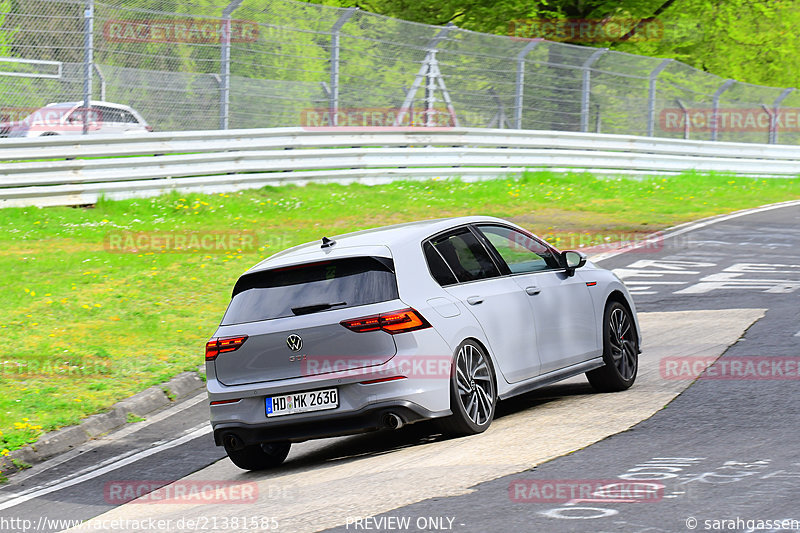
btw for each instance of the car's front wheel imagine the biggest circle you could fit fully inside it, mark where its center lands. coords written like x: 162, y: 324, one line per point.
x: 472, y: 391
x: 259, y: 456
x: 620, y: 351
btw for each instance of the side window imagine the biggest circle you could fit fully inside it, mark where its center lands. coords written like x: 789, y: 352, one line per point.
x: 520, y: 252
x: 128, y: 117
x: 465, y: 256
x: 439, y: 269
x: 109, y: 114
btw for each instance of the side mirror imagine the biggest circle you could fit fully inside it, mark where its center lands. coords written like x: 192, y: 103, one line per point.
x: 573, y: 260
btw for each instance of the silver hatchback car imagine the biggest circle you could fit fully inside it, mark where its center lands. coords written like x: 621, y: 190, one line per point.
x: 380, y: 328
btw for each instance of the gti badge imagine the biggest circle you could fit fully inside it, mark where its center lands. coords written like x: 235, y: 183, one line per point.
x: 294, y: 342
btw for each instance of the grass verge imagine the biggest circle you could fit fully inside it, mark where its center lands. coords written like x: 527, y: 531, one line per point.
x: 87, y: 323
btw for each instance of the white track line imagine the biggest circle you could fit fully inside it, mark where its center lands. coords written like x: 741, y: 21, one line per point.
x: 691, y: 226
x: 115, y: 463
x: 101, y: 441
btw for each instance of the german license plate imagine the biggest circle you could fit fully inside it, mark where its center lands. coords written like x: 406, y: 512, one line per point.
x: 302, y: 402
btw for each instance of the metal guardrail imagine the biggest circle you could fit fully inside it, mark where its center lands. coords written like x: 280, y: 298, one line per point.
x: 78, y: 170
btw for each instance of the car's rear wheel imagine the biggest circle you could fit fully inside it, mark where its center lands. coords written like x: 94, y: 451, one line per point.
x: 620, y: 351
x: 473, y: 395
x: 259, y: 456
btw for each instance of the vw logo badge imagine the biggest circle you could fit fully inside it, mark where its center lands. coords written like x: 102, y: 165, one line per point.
x: 294, y: 342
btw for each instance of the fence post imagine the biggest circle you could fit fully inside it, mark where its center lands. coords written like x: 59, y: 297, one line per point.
x: 521, y: 81
x: 651, y: 96
x: 88, y: 60
x: 685, y: 118
x: 597, y: 118
x: 225, y: 65
x: 586, y: 87
x: 333, y: 93
x: 102, y: 77
x: 715, y: 108
x: 773, y: 119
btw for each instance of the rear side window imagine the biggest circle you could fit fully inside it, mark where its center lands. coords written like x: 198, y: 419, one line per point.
x: 439, y: 269
x: 311, y: 288
x: 465, y: 256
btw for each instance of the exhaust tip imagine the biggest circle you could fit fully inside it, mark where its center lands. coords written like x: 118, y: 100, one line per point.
x: 232, y: 441
x: 392, y: 421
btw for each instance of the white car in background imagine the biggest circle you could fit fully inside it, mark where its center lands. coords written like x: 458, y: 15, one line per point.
x: 67, y: 118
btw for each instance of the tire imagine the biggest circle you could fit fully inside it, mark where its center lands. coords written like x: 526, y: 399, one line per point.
x: 259, y: 456
x: 473, y: 395
x: 620, y: 351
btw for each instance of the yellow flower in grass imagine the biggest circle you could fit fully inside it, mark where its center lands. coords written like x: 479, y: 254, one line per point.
x: 5, y: 452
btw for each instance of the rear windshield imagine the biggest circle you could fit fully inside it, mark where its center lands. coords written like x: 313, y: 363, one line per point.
x: 311, y: 288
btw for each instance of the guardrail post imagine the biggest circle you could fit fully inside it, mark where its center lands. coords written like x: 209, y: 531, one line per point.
x: 88, y: 60
x: 225, y: 64
x: 586, y: 87
x: 685, y: 118
x: 521, y: 81
x: 715, y: 108
x: 651, y: 96
x: 773, y: 117
x: 333, y: 93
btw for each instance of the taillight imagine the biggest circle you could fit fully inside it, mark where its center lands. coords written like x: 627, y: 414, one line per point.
x: 223, y: 402
x: 214, y: 347
x: 381, y: 380
x: 149, y: 128
x: 395, y: 322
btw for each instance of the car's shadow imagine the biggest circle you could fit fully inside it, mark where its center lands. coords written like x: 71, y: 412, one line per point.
x: 345, y: 449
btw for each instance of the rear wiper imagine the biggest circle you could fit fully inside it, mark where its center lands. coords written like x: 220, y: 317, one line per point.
x: 313, y: 308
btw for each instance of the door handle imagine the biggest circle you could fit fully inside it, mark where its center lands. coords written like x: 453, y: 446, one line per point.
x: 533, y: 291
x: 474, y: 300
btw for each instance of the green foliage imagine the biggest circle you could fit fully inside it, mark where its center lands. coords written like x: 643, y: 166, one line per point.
x: 132, y: 418
x: 748, y: 40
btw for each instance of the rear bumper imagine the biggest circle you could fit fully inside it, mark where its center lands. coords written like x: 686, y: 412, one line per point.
x: 370, y: 418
